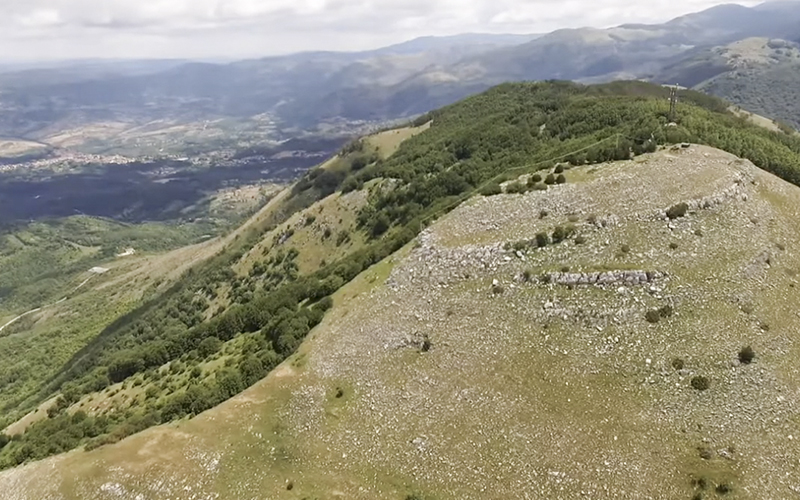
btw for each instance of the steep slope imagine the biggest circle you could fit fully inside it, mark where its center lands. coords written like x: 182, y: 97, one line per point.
x: 235, y: 317
x: 758, y: 74
x: 529, y: 387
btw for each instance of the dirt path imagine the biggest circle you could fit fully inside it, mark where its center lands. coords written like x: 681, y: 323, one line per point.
x: 19, y: 318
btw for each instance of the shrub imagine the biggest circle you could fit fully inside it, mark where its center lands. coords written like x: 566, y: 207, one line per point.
x: 564, y: 269
x: 559, y: 234
x: 491, y: 189
x: 625, y: 249
x: 561, y: 179
x: 351, y: 184
x: 673, y: 246
x: 559, y: 169
x: 701, y: 483
x: 550, y: 179
x: 747, y: 355
x: 652, y: 316
x: 516, y: 188
x: 209, y: 346
x: 526, y: 275
x: 426, y: 345
x: 701, y: 383
x: 520, y: 245
x: 678, y: 364
x: 543, y: 213
x: 535, y: 178
x: 380, y: 225
x: 542, y: 240
x: 359, y: 162
x: 698, y: 232
x: 343, y: 237
x: 539, y: 187
x: 580, y: 240
x: 498, y: 289
x: 677, y: 211
x: 310, y: 220
x: 573, y: 218
x: 723, y: 489
x: 666, y: 311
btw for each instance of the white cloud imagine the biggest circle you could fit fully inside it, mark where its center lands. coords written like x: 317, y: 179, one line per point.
x: 246, y: 28
x: 39, y: 18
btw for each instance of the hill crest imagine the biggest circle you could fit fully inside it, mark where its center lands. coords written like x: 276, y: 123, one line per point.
x: 582, y: 392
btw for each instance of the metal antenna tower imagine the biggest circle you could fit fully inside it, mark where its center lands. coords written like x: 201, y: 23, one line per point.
x: 673, y: 102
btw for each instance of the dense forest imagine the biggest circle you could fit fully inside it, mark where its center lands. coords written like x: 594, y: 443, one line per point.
x: 472, y: 146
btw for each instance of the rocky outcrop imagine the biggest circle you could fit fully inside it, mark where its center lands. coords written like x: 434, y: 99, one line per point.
x: 738, y: 191
x: 616, y: 278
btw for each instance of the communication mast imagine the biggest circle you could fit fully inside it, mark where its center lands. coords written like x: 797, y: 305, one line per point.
x: 673, y: 102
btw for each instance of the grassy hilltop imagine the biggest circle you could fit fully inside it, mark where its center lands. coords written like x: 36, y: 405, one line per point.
x: 477, y: 361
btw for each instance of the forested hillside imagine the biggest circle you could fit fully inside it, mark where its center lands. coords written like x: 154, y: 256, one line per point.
x: 219, y: 330
x: 760, y: 75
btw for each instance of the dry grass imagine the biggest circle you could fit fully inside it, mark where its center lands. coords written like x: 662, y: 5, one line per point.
x: 387, y: 142
x: 20, y: 425
x: 336, y: 213
x: 541, y: 392
x: 759, y: 120
x: 169, y: 266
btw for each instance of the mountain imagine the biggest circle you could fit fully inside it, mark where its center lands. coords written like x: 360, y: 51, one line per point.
x: 532, y: 292
x: 759, y: 74
x: 455, y: 45
x: 323, y: 91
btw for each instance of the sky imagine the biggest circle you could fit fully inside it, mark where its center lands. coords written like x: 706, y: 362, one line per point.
x: 34, y: 30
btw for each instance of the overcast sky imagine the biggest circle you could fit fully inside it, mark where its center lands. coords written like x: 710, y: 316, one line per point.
x: 68, y: 29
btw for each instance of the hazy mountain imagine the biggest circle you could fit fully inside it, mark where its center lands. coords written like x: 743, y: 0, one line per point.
x: 761, y: 75
x: 301, y: 91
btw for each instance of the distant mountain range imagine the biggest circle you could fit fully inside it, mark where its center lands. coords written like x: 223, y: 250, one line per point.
x: 306, y: 91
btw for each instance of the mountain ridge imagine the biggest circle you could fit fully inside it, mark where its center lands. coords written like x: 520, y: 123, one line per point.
x: 364, y: 366
x: 262, y: 292
x: 308, y: 92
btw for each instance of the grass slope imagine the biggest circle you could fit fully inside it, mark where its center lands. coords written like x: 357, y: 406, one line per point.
x: 45, y: 265
x: 230, y: 320
x: 541, y: 391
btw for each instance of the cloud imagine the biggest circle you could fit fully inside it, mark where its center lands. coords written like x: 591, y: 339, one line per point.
x: 247, y: 28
